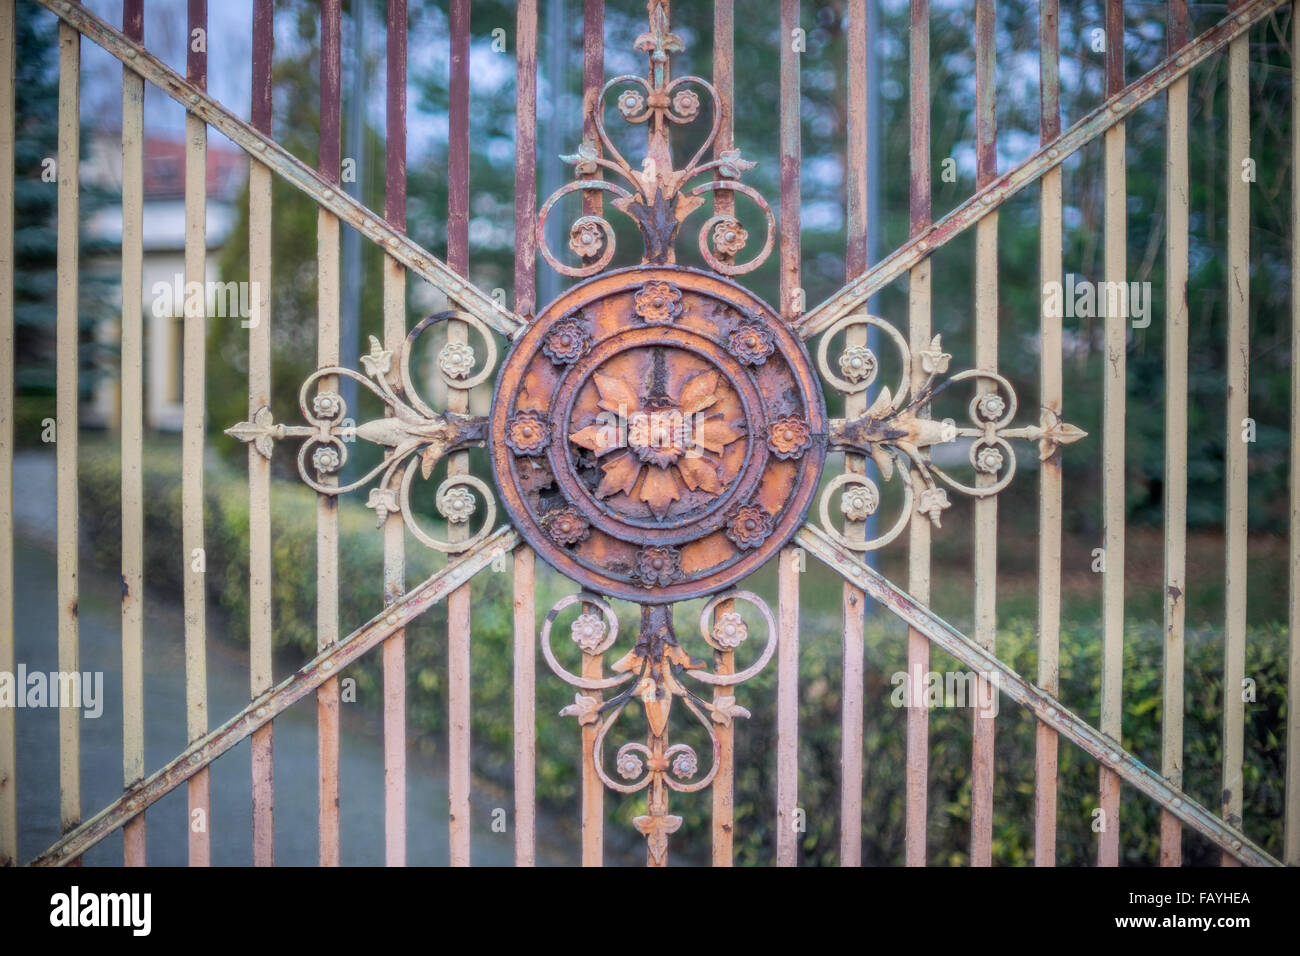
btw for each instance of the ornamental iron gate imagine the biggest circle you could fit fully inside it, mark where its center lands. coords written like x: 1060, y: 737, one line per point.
x: 656, y: 434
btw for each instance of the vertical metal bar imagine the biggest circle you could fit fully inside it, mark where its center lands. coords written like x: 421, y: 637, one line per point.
x: 1238, y: 401
x: 593, y: 78
x: 394, y: 653
x: 1177, y: 189
x: 1291, y: 850
x: 724, y: 204
x: 327, y: 353
x: 792, y: 305
x: 8, y: 731
x: 66, y: 402
x: 132, y: 438
x: 986, y: 358
x: 1113, y: 409
x: 1049, y: 476
x: 259, y: 468
x: 918, y: 548
x: 853, y: 600
x: 192, y: 432
x: 458, y: 603
x: 525, y: 649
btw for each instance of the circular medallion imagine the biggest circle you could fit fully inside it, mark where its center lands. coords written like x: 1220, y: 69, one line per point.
x: 657, y: 434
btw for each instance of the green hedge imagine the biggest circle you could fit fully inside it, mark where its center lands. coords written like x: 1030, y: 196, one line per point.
x: 361, y: 561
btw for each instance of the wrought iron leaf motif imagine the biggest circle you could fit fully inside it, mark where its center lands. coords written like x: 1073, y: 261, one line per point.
x: 656, y: 673
x: 894, y: 430
x: 415, y: 437
x: 657, y: 196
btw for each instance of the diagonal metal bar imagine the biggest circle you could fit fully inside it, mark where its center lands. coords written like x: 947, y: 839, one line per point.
x: 1043, y: 705
x: 373, y: 226
x: 1049, y: 156
x: 262, y: 710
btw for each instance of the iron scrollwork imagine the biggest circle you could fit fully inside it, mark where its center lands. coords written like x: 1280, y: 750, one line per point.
x: 415, y: 436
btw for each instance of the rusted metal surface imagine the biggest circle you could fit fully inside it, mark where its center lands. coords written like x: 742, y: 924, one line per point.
x: 854, y: 602
x: 1050, y: 156
x: 660, y: 197
x: 986, y: 360
x: 265, y: 151
x: 1177, y: 216
x: 259, y: 713
x: 394, y: 292
x: 1051, y: 398
x: 259, y: 470
x: 67, y: 362
x: 1291, y: 853
x: 919, y: 337
x: 655, y: 672
x: 327, y: 354
x: 132, y: 425
x: 724, y: 661
x: 663, y: 458
x: 1237, y: 360
x: 592, y: 800
x: 792, y: 305
x: 1042, y: 705
x: 458, y: 604
x: 8, y: 732
x: 897, y: 437
x: 525, y: 610
x: 192, y: 444
x: 1114, y: 396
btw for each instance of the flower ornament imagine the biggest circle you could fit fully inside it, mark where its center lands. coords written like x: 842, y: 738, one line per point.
x: 327, y: 405
x: 456, y: 359
x: 384, y: 501
x: 858, y: 363
x: 859, y: 502
x: 729, y: 237
x: 989, y: 460
x: 588, y: 631
x: 629, y: 765
x: 585, y: 708
x: 527, y: 433
x: 662, y: 450
x: 566, y: 526
x: 631, y: 103
x: 991, y: 406
x: 685, y: 765
x: 751, y: 343
x: 686, y: 104
x: 729, y: 630
x: 749, y: 526
x: 379, y: 361
x: 933, y: 502
x: 566, y: 343
x: 326, y: 459
x: 658, y: 566
x: 788, y: 437
x: 659, y: 302
x: 934, y: 360
x: 586, y: 240
x: 457, y: 505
